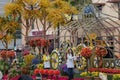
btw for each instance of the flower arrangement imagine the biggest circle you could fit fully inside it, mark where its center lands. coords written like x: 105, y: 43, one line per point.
x: 116, y: 77
x: 10, y: 54
x: 84, y: 74
x: 28, y: 59
x: 93, y: 74
x: 86, y: 52
x: 7, y: 54
x: 38, y: 42
x: 13, y: 72
x: 100, y: 51
x: 40, y: 66
x: 105, y: 70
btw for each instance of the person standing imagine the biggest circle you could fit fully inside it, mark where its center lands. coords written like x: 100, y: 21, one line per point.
x: 46, y: 60
x: 70, y: 63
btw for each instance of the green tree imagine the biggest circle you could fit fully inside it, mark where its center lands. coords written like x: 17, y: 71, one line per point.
x: 79, y: 4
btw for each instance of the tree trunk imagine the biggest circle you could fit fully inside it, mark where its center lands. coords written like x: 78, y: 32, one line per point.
x: 6, y: 46
x: 27, y: 30
x: 44, y: 33
x: 26, y: 35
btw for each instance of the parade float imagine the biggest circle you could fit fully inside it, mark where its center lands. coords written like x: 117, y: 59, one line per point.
x: 97, y: 34
x: 92, y: 40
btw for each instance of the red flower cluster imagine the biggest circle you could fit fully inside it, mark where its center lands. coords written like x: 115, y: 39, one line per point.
x: 47, y: 72
x: 7, y: 54
x: 86, y: 52
x: 105, y: 70
x: 100, y: 51
x: 39, y: 42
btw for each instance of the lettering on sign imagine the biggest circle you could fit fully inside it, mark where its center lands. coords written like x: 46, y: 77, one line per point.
x: 36, y: 33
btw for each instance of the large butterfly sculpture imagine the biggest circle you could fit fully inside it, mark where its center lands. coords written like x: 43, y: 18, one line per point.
x: 30, y: 6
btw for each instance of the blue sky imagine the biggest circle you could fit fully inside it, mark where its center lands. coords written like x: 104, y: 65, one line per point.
x: 2, y: 3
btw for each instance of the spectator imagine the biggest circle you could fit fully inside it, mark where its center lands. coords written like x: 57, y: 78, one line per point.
x: 70, y: 63
x: 46, y: 60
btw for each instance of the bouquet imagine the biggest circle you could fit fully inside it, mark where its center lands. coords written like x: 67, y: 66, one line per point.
x: 100, y: 51
x: 86, y: 52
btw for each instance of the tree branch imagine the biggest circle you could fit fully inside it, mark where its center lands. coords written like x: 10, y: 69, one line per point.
x: 37, y: 25
x: 49, y: 26
x: 41, y: 22
x: 24, y: 24
x: 3, y: 42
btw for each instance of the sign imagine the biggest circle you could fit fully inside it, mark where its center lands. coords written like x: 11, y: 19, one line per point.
x: 36, y: 33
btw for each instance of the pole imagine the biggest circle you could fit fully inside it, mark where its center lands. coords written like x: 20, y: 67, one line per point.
x: 58, y: 34
x: 119, y: 10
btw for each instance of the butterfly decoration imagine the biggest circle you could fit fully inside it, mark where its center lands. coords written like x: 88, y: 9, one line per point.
x: 32, y: 7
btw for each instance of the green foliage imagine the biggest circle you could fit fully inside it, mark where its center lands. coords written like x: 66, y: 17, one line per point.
x: 79, y: 4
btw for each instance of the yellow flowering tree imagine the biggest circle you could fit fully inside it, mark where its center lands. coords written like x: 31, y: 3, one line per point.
x: 7, y: 30
x: 49, y: 13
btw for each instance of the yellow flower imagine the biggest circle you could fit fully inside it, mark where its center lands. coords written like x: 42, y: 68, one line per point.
x: 40, y: 66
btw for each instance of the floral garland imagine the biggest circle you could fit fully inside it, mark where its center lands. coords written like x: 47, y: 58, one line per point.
x: 65, y: 45
x: 80, y: 63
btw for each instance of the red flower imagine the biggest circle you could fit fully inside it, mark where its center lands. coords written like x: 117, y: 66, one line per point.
x: 50, y: 72
x: 41, y: 71
x: 36, y: 71
x: 10, y: 54
x: 100, y: 51
x: 56, y: 72
x: 3, y: 54
x: 86, y: 52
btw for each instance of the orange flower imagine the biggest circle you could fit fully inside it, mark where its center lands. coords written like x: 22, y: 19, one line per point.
x: 86, y: 52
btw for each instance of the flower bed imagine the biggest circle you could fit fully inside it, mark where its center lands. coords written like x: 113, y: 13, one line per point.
x: 105, y: 70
